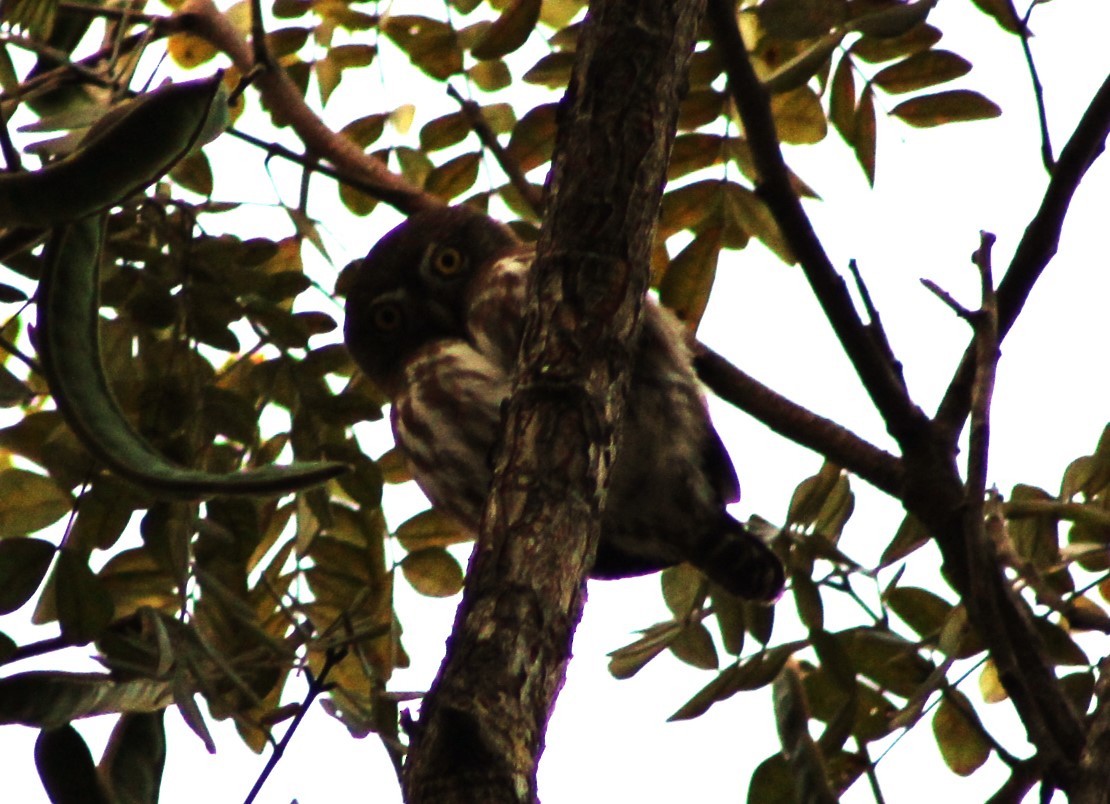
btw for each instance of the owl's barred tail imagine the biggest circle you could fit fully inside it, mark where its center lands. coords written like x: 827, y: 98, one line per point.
x: 741, y: 562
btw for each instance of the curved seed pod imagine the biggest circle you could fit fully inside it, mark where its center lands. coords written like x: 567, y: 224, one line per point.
x: 68, y: 341
x: 134, y: 147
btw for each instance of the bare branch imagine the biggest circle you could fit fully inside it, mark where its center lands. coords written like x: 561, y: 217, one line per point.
x: 1037, y: 247
x: 1094, y: 766
x: 792, y: 421
x: 1038, y: 91
x: 206, y: 21
x: 485, y: 134
x: 880, y: 378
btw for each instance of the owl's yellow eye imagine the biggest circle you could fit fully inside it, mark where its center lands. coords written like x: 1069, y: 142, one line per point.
x: 387, y: 317
x: 447, y: 261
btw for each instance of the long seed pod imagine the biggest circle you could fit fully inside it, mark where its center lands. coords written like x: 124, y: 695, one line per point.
x: 68, y: 341
x: 131, y: 148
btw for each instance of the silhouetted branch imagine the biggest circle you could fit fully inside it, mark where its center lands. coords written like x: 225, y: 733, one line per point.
x: 282, y: 96
x: 880, y: 378
x: 1094, y: 766
x: 791, y: 420
x: 1037, y: 247
x: 1038, y: 91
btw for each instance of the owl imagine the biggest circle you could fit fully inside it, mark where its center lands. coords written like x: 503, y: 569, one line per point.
x: 434, y: 317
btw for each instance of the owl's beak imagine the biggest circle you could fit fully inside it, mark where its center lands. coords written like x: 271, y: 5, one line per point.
x: 442, y: 318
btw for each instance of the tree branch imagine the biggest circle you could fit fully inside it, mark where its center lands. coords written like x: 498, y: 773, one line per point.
x: 282, y: 96
x: 792, y: 421
x: 482, y: 724
x: 1094, y: 766
x: 880, y: 378
x: 1037, y: 247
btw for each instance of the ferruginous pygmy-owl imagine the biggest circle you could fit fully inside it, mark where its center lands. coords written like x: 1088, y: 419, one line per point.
x: 434, y: 318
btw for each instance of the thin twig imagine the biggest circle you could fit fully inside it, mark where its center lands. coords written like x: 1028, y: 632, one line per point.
x: 528, y: 191
x: 949, y: 301
x: 986, y: 340
x: 903, y: 418
x: 1038, y: 91
x: 317, y: 685
x: 875, y: 321
x: 1037, y: 247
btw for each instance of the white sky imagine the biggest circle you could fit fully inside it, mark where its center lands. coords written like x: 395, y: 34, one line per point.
x: 608, y: 740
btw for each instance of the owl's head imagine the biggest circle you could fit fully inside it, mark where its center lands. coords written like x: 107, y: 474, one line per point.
x: 412, y: 288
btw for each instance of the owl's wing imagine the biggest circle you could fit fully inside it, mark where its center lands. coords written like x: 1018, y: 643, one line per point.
x: 446, y: 420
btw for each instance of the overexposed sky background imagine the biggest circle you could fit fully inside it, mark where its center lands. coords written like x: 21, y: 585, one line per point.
x: 935, y: 190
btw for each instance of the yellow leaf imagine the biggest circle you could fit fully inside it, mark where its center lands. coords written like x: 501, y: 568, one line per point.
x: 799, y: 118
x: 952, y: 106
x: 433, y: 572
x: 189, y: 51
x: 959, y: 734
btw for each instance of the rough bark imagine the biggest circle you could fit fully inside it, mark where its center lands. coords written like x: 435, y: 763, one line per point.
x: 481, y: 727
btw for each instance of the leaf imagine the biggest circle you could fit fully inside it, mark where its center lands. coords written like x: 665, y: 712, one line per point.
x: 49, y: 699
x: 797, y: 71
x: 628, y: 661
x: 490, y: 76
x: 454, y: 177
x: 533, y: 138
x: 990, y: 685
x: 430, y: 528
x: 365, y: 130
x: 509, y: 31
x: 842, y: 99
x: 29, y: 502
x: 694, y: 646
x: 189, y: 50
x: 920, y: 609
x: 799, y: 118
x: 959, y: 734
x: 804, y: 756
x: 922, y: 70
x: 83, y: 605
x: 799, y: 19
x: 194, y: 172
x: 444, y: 132
x: 1003, y: 13
x: 66, y: 768
x: 23, y: 565
x: 752, y: 673
x: 433, y: 572
x: 950, y: 106
x: 911, y: 535
x: 895, y: 20
x: 135, y: 757
x: 865, y: 133
x: 69, y: 347
x: 432, y: 46
x: 689, y: 278
x: 551, y: 71
x: 876, y: 50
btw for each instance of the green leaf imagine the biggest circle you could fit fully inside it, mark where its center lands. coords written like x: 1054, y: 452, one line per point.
x: 920, y: 609
x: 83, y: 605
x: 29, y: 502
x: 454, y: 177
x: 365, y: 130
x: 799, y: 118
x: 509, y: 31
x: 533, y: 138
x: 551, y: 71
x: 628, y: 661
x: 897, y: 19
x: 694, y: 646
x: 431, y: 45
x: 950, y: 106
x: 136, y: 756
x: 444, y: 132
x: 66, y: 768
x: 865, y: 133
x: 911, y: 535
x: 922, y: 70
x: 430, y: 528
x: 959, y: 734
x: 490, y: 76
x: 689, y: 278
x: 1003, y: 13
x: 49, y: 699
x: 23, y: 565
x: 877, y: 50
x: 433, y: 572
x: 752, y: 673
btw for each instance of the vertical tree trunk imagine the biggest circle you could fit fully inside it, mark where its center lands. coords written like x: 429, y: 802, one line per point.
x: 482, y: 724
